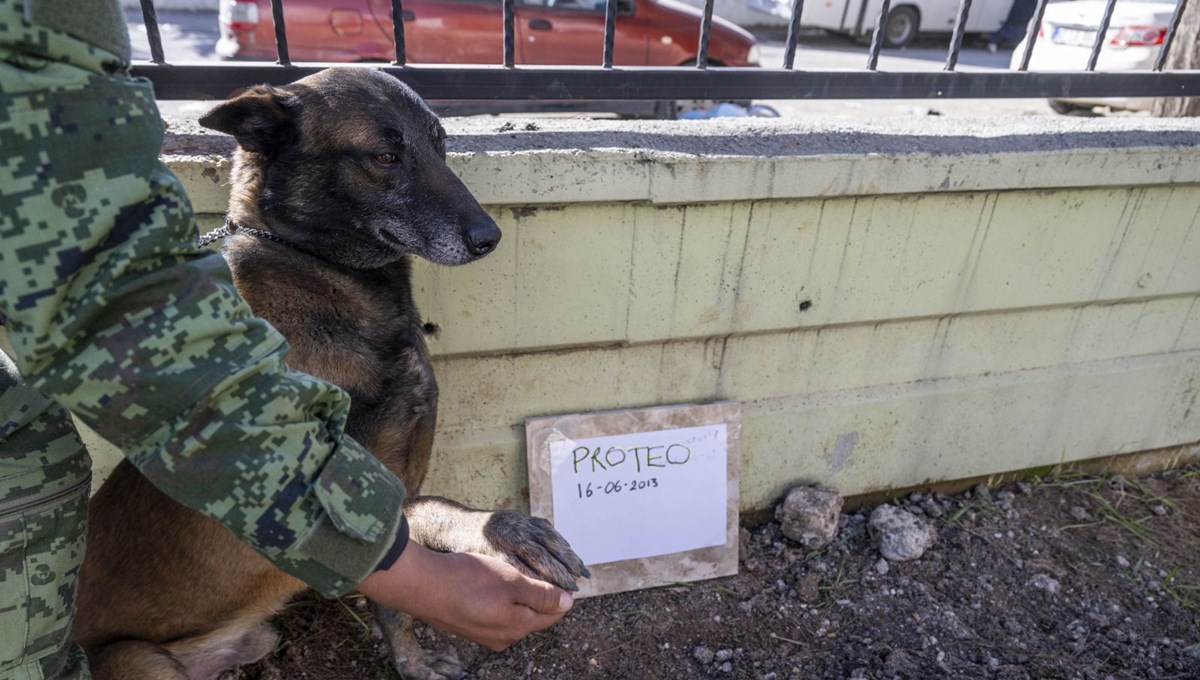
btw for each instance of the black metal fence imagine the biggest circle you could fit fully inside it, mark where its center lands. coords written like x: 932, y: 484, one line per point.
x: 507, y: 81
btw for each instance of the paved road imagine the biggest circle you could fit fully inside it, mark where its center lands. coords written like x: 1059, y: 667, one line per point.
x: 190, y: 36
x: 823, y: 52
x: 187, y: 36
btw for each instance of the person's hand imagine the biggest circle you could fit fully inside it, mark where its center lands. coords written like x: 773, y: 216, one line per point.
x: 472, y: 596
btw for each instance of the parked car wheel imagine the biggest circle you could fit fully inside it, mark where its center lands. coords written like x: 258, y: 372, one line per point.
x: 901, y: 27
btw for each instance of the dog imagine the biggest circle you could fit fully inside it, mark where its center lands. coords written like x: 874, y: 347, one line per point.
x: 338, y: 179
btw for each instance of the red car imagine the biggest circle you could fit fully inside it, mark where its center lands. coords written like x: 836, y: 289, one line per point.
x: 568, y: 32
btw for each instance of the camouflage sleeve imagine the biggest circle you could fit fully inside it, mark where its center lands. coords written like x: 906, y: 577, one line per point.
x: 115, y: 313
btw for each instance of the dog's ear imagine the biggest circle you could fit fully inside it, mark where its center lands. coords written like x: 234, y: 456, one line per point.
x: 260, y: 119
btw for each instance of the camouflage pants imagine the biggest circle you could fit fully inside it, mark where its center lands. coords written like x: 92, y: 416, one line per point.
x: 44, y: 475
x: 44, y: 469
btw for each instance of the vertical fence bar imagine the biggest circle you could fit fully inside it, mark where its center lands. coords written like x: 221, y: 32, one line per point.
x: 150, y: 19
x: 1101, y: 35
x: 280, y: 32
x: 610, y: 32
x: 960, y: 27
x: 1161, y: 60
x: 877, y: 36
x: 509, y: 33
x: 793, y: 36
x: 1035, y: 27
x: 398, y: 31
x: 705, y: 34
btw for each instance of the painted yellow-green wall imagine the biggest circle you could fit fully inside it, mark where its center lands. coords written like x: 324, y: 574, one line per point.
x: 946, y: 335
x: 886, y: 319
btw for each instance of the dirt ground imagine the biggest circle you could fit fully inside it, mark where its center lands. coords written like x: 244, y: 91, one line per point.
x: 1068, y: 576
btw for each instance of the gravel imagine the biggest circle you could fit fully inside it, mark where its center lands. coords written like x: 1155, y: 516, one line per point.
x: 1018, y: 593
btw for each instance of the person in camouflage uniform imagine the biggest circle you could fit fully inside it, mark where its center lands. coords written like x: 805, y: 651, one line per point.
x: 115, y: 315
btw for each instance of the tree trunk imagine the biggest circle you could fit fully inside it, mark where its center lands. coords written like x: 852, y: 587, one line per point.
x: 1184, y: 54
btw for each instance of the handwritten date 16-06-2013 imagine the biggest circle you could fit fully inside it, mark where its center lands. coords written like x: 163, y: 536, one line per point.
x: 608, y: 488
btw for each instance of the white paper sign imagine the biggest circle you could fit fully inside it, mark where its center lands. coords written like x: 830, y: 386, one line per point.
x: 640, y: 495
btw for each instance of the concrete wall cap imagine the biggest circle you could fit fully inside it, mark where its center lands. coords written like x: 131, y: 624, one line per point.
x: 771, y: 138
x: 669, y: 162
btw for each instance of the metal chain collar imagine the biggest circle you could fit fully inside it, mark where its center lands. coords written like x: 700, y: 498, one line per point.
x: 225, y: 230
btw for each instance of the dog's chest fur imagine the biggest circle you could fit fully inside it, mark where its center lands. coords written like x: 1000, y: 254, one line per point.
x: 358, y: 329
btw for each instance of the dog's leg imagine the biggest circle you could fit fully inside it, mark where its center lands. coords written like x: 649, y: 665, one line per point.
x: 205, y: 657
x: 135, y: 660
x: 412, y: 662
x: 528, y: 543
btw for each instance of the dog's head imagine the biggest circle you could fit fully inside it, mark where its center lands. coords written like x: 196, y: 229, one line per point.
x: 350, y: 164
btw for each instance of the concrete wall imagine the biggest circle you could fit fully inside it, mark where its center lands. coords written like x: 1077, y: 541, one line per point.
x: 893, y: 304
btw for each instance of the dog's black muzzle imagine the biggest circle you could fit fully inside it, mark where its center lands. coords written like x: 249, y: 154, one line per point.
x: 482, y: 237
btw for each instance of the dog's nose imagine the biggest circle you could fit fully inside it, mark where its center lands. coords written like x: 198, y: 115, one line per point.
x: 482, y: 237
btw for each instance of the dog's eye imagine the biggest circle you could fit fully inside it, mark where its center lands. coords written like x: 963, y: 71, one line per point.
x: 386, y: 158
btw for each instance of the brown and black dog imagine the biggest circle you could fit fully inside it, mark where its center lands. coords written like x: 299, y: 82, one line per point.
x: 346, y: 171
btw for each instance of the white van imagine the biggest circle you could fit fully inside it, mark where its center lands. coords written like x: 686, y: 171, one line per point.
x: 906, y: 18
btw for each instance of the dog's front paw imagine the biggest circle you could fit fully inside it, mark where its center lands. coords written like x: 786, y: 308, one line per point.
x: 532, y: 545
x: 528, y: 543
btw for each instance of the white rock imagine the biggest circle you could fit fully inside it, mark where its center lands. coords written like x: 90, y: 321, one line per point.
x: 902, y: 535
